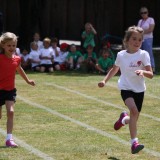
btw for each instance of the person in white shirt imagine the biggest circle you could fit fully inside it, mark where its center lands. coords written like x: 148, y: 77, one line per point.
x: 34, y: 57
x: 60, y: 57
x: 134, y: 65
x: 25, y: 62
x: 18, y: 52
x: 46, y: 56
x: 36, y: 39
x: 148, y: 24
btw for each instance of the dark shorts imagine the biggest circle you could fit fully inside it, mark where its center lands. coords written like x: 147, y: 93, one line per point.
x: 7, y: 96
x: 46, y: 66
x: 35, y: 68
x: 55, y: 64
x: 138, y: 97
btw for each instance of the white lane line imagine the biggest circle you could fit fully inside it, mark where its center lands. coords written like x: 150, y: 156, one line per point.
x: 30, y: 148
x: 103, y: 133
x: 98, y: 100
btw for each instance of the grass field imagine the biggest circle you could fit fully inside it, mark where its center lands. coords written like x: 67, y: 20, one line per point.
x: 67, y: 117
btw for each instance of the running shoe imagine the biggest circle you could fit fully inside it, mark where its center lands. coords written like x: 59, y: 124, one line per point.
x: 118, y: 123
x: 11, y: 143
x: 136, y: 147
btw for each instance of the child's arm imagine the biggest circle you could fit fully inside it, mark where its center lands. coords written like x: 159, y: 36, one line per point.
x: 110, y: 74
x: 24, y: 76
x: 93, y: 30
x: 147, y: 72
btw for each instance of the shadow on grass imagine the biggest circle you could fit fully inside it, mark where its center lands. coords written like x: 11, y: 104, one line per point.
x: 113, y: 158
x: 7, y: 147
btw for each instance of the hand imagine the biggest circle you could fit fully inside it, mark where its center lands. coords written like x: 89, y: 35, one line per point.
x: 31, y: 82
x: 139, y: 73
x: 101, y: 84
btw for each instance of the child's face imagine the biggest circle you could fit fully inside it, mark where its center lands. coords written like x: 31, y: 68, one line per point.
x: 36, y: 37
x: 134, y: 42
x: 89, y: 49
x: 88, y: 28
x: 105, y: 55
x: 34, y: 46
x: 24, y: 52
x: 10, y: 47
x: 54, y: 44
x: 73, y: 48
x: 46, y: 44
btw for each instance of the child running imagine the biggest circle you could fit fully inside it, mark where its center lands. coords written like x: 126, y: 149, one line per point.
x: 9, y: 64
x: 134, y: 65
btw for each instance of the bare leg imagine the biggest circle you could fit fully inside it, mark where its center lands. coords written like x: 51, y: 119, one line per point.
x: 0, y: 112
x: 10, y: 116
x: 134, y: 114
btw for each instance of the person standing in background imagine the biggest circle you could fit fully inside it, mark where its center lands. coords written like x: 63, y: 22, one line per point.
x: 36, y: 39
x: 148, y: 24
x: 88, y: 35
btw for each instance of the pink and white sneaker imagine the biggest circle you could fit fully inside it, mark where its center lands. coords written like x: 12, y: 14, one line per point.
x: 136, y: 147
x: 11, y: 143
x: 118, y: 123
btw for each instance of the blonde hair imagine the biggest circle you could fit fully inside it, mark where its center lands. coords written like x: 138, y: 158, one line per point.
x: 87, y: 24
x: 48, y: 40
x: 32, y: 44
x: 129, y: 33
x: 5, y: 37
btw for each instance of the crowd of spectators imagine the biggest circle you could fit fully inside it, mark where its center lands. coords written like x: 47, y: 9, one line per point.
x: 48, y: 55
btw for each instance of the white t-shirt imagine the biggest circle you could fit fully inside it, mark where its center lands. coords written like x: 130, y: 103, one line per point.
x: 17, y: 52
x: 46, y: 52
x: 128, y: 64
x: 34, y: 55
x: 56, y: 58
x: 145, y: 25
x: 62, y: 57
x: 40, y: 44
x: 25, y: 57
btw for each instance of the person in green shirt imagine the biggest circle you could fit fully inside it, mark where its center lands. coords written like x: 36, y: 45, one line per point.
x: 88, y: 35
x: 104, y: 62
x: 74, y: 58
x: 90, y: 59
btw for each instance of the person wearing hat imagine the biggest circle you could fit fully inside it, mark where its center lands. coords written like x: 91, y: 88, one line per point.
x: 60, y: 59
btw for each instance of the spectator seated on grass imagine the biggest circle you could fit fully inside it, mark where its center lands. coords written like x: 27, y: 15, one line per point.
x: 104, y: 62
x: 107, y: 45
x: 90, y: 59
x: 60, y: 57
x: 46, y: 56
x: 74, y: 58
x: 25, y: 61
x: 34, y: 57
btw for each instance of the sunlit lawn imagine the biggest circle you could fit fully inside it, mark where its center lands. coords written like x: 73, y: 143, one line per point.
x: 66, y: 114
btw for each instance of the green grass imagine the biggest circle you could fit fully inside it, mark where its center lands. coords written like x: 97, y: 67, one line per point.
x: 76, y: 96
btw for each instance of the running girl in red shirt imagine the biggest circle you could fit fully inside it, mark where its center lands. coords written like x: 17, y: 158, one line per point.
x: 9, y: 64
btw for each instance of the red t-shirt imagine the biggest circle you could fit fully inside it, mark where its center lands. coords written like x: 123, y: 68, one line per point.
x: 7, y: 71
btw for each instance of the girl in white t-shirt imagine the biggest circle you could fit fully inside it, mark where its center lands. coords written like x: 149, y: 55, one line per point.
x: 34, y: 57
x: 46, y: 56
x: 134, y: 65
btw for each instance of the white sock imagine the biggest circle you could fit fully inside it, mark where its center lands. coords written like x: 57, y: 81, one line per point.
x: 9, y: 136
x: 124, y: 119
x: 134, y: 140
